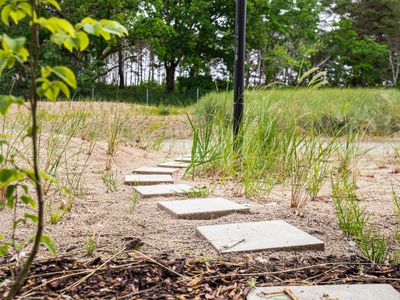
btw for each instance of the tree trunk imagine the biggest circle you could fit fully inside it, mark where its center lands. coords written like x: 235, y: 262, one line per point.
x: 151, y: 69
x: 121, y: 69
x: 170, y: 78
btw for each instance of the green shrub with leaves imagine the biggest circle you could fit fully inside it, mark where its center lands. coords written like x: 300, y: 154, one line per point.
x: 43, y: 81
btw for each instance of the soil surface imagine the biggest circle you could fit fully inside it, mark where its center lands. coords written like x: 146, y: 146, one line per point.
x: 110, y: 218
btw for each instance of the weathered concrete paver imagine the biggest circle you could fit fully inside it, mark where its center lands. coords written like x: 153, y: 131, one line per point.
x: 143, y: 179
x: 174, y: 164
x: 328, y: 292
x: 163, y: 190
x: 155, y: 170
x: 202, y: 208
x: 257, y: 236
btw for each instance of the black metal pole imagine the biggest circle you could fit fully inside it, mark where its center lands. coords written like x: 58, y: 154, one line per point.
x: 240, y: 48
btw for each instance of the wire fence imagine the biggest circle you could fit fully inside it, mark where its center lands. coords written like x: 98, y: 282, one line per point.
x: 141, y: 95
x: 150, y: 94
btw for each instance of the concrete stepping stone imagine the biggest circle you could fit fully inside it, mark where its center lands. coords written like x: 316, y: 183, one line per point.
x: 174, y: 164
x: 318, y: 292
x: 186, y: 159
x: 257, y: 236
x: 204, y: 208
x: 147, y: 179
x: 164, y: 190
x: 155, y: 170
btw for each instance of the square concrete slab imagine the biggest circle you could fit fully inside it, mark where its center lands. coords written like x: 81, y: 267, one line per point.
x: 318, y: 292
x: 204, y: 208
x: 147, y: 179
x: 257, y: 236
x: 155, y: 170
x: 164, y: 190
x: 174, y: 164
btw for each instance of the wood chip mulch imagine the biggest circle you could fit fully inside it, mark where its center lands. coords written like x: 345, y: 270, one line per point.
x: 133, y: 275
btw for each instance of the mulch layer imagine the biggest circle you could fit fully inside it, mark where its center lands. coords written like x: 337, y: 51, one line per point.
x: 133, y: 275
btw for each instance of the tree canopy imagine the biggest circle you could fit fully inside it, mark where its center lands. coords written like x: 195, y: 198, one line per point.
x: 356, y: 42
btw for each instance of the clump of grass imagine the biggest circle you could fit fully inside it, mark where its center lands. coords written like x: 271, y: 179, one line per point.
x: 352, y: 219
x: 62, y: 208
x: 134, y: 199
x: 396, y: 203
x: 310, y: 168
x: 163, y: 110
x: 114, y: 135
x: 110, y: 181
x: 373, y: 245
x: 90, y: 244
x: 198, y: 193
x: 272, y: 148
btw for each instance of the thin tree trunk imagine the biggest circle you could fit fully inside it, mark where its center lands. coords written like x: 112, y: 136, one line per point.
x: 395, y: 67
x: 121, y: 69
x: 19, y: 280
x: 151, y: 65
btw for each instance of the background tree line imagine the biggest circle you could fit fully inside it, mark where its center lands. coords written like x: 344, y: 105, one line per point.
x: 191, y: 42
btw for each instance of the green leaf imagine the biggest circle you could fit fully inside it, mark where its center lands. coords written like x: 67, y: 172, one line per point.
x: 45, y: 71
x: 5, y: 14
x: 17, y: 15
x: 13, y: 49
x: 7, y: 100
x: 48, y: 242
x: 28, y: 201
x: 66, y: 75
x: 15, y: 12
x: 83, y: 40
x: 1, y: 236
x: 34, y: 218
x: 3, y: 250
x: 53, y: 3
x: 104, y: 28
x: 48, y: 177
x: 10, y: 191
x: 9, y: 175
x: 63, y: 87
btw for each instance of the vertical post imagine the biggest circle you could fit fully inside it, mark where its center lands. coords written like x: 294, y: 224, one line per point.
x: 197, y: 95
x: 92, y: 93
x: 240, y: 48
x: 147, y: 96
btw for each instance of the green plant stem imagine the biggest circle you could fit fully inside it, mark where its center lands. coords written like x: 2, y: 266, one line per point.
x: 19, y: 280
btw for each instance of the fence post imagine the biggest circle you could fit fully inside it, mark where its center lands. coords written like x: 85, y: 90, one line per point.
x: 92, y: 93
x: 147, y: 96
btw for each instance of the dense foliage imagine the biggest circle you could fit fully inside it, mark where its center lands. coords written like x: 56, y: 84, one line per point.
x: 356, y: 42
